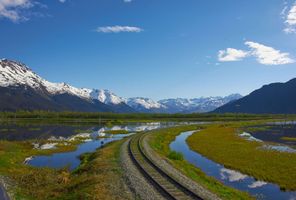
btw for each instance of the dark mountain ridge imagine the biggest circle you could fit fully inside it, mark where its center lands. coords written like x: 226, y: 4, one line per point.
x: 274, y: 98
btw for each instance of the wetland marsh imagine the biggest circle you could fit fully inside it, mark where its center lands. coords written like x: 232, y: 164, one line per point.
x: 59, y: 155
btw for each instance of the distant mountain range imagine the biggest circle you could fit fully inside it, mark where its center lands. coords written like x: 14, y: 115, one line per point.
x: 22, y: 89
x: 275, y: 98
x: 197, y: 105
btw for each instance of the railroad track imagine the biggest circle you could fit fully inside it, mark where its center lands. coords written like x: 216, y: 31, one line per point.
x: 169, y: 187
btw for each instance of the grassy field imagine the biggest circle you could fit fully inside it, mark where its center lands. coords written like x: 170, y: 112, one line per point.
x: 47, y: 117
x: 222, y: 144
x: 160, y: 140
x: 99, y: 176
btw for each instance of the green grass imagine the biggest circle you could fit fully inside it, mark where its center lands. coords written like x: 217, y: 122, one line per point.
x: 222, y: 144
x: 116, y: 132
x: 160, y: 139
x: 289, y: 138
x: 173, y: 155
x: 98, y: 177
x: 23, y: 177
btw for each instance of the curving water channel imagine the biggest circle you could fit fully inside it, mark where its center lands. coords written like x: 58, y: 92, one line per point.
x: 235, y: 179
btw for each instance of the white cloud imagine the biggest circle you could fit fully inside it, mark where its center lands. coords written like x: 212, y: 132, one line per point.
x: 127, y: 1
x: 264, y: 54
x: 118, y: 29
x: 231, y: 54
x: 13, y: 9
x: 62, y: 1
x: 267, y: 55
x: 290, y: 19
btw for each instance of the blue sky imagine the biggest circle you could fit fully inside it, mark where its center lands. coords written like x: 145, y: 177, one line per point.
x: 154, y: 48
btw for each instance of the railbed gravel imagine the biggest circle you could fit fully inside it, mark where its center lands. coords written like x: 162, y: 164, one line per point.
x: 140, y: 187
x: 175, y: 173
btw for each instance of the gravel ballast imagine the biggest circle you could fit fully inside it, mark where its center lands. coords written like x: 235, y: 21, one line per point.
x: 137, y: 183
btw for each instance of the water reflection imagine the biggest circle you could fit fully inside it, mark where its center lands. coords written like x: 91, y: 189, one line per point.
x: 232, y: 178
x: 276, y: 132
x: 94, y: 138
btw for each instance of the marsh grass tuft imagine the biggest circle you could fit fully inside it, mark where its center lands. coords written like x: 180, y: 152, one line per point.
x: 173, y: 155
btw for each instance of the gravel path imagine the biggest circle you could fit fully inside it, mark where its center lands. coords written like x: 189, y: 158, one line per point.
x: 137, y: 183
x: 168, y: 168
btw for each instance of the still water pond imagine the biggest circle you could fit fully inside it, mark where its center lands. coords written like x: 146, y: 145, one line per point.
x: 70, y: 159
x: 94, y: 138
x: 277, y: 132
x: 235, y: 179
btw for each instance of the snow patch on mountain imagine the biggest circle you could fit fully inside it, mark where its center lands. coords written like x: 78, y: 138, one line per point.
x: 14, y: 73
x: 106, y: 96
x: 62, y: 88
x: 145, y: 103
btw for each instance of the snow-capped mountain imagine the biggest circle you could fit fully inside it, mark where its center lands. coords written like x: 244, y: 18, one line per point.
x: 180, y: 105
x: 17, y: 78
x: 106, y: 96
x: 177, y: 105
x: 202, y: 104
x: 21, y: 88
x: 13, y: 73
x: 141, y: 104
x: 109, y: 98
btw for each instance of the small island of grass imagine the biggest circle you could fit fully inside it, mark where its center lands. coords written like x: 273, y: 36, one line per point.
x: 116, y: 131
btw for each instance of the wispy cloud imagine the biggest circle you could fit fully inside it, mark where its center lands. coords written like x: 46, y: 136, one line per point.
x: 127, y: 1
x: 21, y: 10
x: 290, y: 19
x: 14, y: 9
x: 231, y: 54
x: 118, y: 29
x: 264, y: 54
